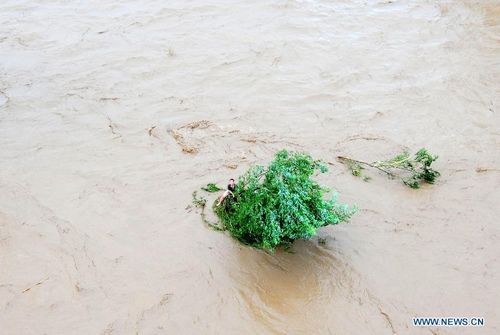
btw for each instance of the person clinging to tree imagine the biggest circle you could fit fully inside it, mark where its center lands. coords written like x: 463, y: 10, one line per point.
x: 231, y: 187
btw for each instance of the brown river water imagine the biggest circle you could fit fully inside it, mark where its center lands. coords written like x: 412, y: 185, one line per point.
x: 112, y: 112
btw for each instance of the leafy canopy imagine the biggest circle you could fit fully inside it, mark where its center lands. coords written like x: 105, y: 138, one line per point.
x: 281, y: 203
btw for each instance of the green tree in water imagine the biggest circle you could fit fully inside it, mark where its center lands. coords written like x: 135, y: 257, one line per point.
x: 281, y: 203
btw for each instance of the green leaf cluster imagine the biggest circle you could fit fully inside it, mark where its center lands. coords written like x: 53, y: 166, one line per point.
x: 211, y: 188
x: 421, y: 169
x: 412, y: 170
x: 281, y: 203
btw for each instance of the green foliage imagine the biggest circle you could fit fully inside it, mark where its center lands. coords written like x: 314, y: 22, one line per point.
x: 281, y: 203
x: 421, y: 169
x: 413, y: 171
x: 211, y: 187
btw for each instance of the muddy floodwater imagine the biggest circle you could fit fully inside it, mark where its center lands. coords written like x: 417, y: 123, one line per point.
x: 113, y: 112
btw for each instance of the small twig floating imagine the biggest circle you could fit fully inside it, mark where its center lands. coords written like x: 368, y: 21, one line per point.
x: 39, y: 283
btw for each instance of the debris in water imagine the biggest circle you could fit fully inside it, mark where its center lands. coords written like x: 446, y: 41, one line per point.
x: 202, y: 124
x: 416, y: 170
x: 179, y: 138
x: 112, y: 127
x: 39, y: 283
x: 483, y: 169
x: 180, y: 141
x: 151, y: 133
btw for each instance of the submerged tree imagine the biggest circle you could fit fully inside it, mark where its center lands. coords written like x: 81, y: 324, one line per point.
x: 411, y: 171
x: 281, y: 203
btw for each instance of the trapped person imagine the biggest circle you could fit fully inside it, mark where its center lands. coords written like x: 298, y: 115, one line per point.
x: 230, y: 189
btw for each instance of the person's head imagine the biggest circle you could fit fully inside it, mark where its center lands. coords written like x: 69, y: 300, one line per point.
x: 231, y: 182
